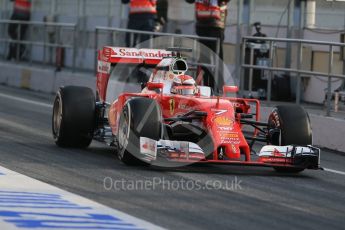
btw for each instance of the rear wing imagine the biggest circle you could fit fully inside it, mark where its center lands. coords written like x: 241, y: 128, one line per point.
x: 125, y: 55
x: 109, y: 56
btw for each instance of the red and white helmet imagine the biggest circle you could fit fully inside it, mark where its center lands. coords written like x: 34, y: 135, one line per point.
x: 183, y: 85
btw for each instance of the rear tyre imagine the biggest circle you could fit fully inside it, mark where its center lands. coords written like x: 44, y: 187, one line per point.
x: 73, y: 117
x: 294, y: 123
x: 140, y: 117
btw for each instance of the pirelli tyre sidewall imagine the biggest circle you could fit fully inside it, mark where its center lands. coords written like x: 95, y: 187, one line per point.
x: 295, y: 129
x: 140, y: 117
x: 73, y: 119
x: 294, y: 123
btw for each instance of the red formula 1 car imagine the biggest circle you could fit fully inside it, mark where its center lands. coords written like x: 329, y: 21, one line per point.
x: 174, y: 122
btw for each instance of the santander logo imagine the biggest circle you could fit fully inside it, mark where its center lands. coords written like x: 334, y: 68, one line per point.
x: 140, y: 53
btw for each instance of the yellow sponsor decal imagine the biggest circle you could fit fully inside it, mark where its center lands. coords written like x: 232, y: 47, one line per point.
x: 223, y: 121
x: 230, y: 135
x: 172, y: 106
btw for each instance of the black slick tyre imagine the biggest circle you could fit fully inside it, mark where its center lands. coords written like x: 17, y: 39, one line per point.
x: 140, y: 117
x: 73, y: 119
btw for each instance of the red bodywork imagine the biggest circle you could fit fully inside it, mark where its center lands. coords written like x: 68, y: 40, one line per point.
x: 224, y: 128
x: 223, y: 113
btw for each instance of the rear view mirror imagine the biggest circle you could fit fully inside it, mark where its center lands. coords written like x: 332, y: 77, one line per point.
x: 154, y: 85
x: 179, y: 67
x: 229, y: 89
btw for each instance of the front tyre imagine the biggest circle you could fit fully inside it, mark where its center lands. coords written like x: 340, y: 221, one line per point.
x: 140, y: 117
x: 73, y: 117
x: 295, y: 129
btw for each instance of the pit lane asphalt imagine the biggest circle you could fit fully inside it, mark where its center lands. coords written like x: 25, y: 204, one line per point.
x: 264, y: 199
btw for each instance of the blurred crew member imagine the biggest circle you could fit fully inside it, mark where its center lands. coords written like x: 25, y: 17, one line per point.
x: 259, y: 52
x: 162, y: 15
x: 21, y: 12
x: 142, y: 16
x: 257, y: 26
x: 210, y: 22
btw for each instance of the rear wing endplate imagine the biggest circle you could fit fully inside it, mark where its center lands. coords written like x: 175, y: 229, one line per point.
x: 109, y: 56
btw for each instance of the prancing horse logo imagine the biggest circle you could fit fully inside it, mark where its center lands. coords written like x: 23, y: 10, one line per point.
x: 172, y: 106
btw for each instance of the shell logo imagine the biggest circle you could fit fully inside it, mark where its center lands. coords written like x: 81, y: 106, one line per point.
x: 223, y: 121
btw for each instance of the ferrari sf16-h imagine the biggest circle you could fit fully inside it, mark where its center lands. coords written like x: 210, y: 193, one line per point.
x: 175, y: 120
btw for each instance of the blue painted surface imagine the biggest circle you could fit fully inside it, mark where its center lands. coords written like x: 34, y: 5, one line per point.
x: 57, y: 213
x: 56, y: 221
x: 35, y: 200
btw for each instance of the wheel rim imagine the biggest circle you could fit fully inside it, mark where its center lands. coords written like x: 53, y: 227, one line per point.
x: 57, y: 117
x: 123, y: 134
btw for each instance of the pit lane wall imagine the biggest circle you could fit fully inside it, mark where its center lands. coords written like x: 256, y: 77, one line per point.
x: 328, y: 131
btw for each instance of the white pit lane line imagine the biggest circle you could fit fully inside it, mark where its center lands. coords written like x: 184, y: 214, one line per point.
x: 20, y: 99
x: 26, y: 203
x: 334, y: 171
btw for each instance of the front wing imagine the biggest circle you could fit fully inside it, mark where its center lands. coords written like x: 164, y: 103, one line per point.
x: 303, y: 157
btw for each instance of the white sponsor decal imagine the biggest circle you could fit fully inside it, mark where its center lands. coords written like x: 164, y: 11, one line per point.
x: 103, y: 67
x: 140, y: 53
x: 219, y: 111
x: 230, y: 140
x: 148, y: 147
x: 225, y: 128
x: 236, y: 104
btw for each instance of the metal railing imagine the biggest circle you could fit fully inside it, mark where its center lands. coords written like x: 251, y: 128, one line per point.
x: 298, y: 70
x: 47, y: 36
x: 42, y: 39
x: 116, y: 37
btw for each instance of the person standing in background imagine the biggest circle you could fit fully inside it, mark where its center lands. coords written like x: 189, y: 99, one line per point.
x: 142, y: 16
x: 210, y: 22
x: 21, y: 12
x: 162, y: 15
x: 257, y: 26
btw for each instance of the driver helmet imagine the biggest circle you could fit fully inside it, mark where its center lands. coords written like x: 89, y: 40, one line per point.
x: 183, y: 85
